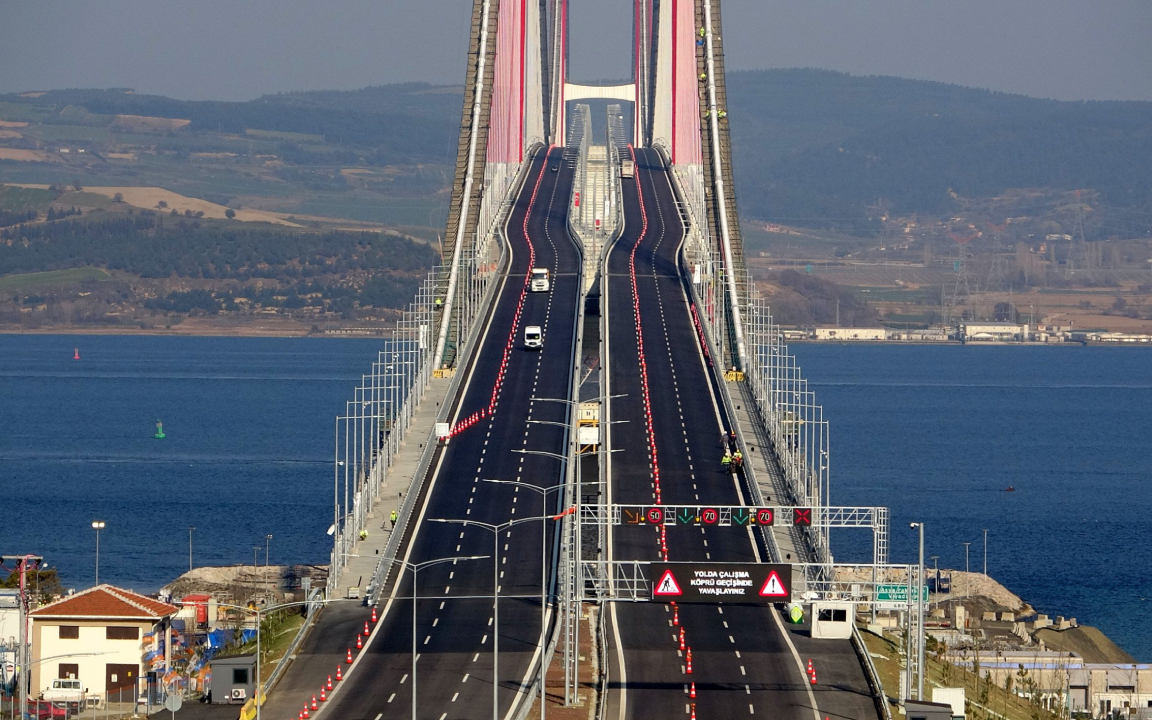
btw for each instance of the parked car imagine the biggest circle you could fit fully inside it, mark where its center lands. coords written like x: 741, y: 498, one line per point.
x: 69, y: 692
x: 43, y: 710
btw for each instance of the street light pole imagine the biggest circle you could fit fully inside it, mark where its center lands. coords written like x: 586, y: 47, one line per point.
x: 98, y: 525
x: 496, y: 530
x: 267, y: 548
x: 543, y: 491
x: 985, y: 552
x: 967, y: 580
x: 920, y: 617
x: 190, y: 529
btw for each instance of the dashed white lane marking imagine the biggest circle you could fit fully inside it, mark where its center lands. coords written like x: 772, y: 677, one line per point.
x: 747, y: 690
x: 457, y: 548
x: 475, y: 657
x: 465, y: 678
x: 453, y: 574
x: 737, y: 654
x: 390, y: 699
x: 382, y: 714
x: 742, y: 671
x: 435, y: 622
x: 442, y: 604
x: 731, y: 639
x: 751, y: 710
x: 427, y: 639
x: 447, y: 588
x: 445, y: 715
x: 483, y: 641
x: 403, y: 679
x: 454, y: 696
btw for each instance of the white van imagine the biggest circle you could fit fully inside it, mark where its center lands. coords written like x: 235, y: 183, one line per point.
x: 539, y: 280
x: 533, y: 337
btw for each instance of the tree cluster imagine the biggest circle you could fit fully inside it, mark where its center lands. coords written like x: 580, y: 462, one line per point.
x: 159, y: 247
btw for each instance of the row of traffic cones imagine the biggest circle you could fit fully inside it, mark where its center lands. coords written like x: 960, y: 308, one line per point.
x: 811, y: 672
x: 327, y: 686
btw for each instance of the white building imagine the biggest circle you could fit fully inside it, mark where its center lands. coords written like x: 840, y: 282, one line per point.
x: 992, y: 332
x: 100, y: 636
x: 851, y: 334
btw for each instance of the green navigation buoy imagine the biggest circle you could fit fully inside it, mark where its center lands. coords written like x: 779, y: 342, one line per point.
x: 159, y: 430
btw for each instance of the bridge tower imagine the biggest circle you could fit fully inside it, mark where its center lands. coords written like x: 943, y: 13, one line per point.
x: 687, y: 120
x: 505, y: 114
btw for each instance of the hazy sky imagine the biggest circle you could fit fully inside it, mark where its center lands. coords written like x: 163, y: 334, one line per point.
x: 217, y: 49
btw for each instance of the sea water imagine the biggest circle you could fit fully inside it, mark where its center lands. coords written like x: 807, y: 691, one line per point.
x: 937, y: 433
x: 247, y: 452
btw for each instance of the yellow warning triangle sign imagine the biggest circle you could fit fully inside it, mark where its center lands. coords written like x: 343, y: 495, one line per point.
x: 773, y: 587
x: 667, y: 585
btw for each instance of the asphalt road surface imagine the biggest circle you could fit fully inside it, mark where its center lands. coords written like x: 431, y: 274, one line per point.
x: 744, y: 660
x: 455, y: 628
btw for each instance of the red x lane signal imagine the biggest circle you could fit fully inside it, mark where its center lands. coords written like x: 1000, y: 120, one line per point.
x: 802, y: 516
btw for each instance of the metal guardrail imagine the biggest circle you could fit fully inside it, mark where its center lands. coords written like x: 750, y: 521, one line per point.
x: 314, y: 610
x: 872, y: 674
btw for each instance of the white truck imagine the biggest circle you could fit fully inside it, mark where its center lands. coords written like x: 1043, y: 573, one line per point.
x: 66, y: 692
x: 533, y: 337
x: 538, y: 280
x: 627, y: 168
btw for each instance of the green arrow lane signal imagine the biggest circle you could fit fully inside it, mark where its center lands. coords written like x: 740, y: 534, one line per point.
x: 685, y: 516
x: 741, y: 517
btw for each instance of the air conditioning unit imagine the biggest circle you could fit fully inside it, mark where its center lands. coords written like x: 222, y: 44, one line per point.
x: 239, y: 694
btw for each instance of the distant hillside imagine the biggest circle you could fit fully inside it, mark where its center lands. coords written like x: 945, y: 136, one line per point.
x: 813, y: 149
x: 817, y: 148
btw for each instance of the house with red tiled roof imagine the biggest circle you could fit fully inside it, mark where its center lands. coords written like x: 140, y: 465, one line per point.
x: 105, y: 637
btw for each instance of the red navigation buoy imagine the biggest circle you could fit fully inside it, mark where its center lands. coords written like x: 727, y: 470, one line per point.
x: 75, y: 353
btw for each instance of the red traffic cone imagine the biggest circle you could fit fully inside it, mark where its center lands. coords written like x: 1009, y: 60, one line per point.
x: 688, y: 668
x: 339, y: 672
x: 692, y: 690
x: 693, y: 712
x: 314, y: 705
x: 323, y: 695
x: 347, y: 659
x: 675, y: 616
x: 809, y: 666
x: 306, y: 710
x: 300, y: 716
x: 813, y: 676
x: 374, y: 618
x: 329, y: 685
x: 367, y: 632
x: 681, y: 637
x: 359, y: 641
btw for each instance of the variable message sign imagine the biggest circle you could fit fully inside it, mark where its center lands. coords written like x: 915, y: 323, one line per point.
x: 693, y: 582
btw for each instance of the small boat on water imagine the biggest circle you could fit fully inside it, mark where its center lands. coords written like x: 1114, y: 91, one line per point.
x: 1010, y: 488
